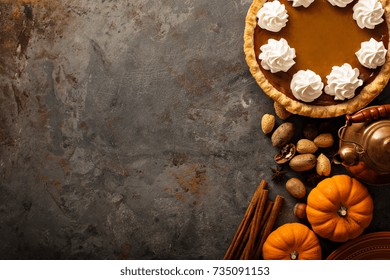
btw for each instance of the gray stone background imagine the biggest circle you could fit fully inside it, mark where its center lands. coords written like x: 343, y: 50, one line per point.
x: 130, y: 130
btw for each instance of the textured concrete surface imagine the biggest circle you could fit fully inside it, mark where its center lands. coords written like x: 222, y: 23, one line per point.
x: 130, y: 130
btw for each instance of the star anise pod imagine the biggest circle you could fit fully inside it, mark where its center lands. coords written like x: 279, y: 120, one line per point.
x: 278, y: 174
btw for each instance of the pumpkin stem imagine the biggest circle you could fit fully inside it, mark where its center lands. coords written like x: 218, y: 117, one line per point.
x: 294, y: 255
x: 342, y: 211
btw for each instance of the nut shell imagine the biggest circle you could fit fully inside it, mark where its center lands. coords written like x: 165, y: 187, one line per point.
x: 285, y: 154
x: 303, y: 162
x: 296, y: 188
x: 323, y: 167
x: 324, y: 140
x: 267, y: 123
x: 283, y: 134
x: 306, y: 146
x: 300, y: 210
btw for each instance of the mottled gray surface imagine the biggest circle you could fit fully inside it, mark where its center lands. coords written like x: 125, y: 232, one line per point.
x: 130, y: 129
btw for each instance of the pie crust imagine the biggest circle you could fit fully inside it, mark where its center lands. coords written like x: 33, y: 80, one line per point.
x: 365, y: 96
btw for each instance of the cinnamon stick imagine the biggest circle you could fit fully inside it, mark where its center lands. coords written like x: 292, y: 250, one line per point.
x: 232, y: 252
x: 241, y: 246
x: 244, y: 227
x: 255, y: 227
x: 268, y: 209
x: 263, y: 222
x: 271, y: 220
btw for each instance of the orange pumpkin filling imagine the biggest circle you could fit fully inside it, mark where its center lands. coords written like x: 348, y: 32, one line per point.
x: 323, y: 36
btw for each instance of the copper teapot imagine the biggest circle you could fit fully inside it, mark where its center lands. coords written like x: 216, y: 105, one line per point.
x: 365, y: 145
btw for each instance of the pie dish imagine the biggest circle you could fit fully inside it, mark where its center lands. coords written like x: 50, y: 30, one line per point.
x: 371, y: 246
x: 323, y: 36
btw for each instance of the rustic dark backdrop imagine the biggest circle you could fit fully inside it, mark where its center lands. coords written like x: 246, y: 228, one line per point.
x: 131, y: 130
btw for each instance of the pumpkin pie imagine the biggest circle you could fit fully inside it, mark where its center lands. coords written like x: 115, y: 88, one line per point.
x: 319, y: 58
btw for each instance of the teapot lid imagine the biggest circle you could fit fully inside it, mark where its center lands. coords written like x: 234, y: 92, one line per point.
x: 377, y: 145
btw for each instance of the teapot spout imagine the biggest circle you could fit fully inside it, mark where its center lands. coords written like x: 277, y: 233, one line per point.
x: 348, y: 155
x: 336, y: 159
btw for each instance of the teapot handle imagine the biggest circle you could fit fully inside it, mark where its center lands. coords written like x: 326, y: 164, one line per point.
x: 369, y: 114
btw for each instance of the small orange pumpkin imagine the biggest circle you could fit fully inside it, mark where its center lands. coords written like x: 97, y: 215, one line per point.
x: 293, y: 241
x: 339, y: 208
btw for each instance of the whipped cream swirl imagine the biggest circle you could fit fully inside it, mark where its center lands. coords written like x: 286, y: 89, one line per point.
x: 272, y: 16
x: 343, y: 81
x: 372, y: 54
x: 340, y: 3
x: 368, y: 13
x: 277, y: 56
x: 304, y: 3
x: 306, y: 85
